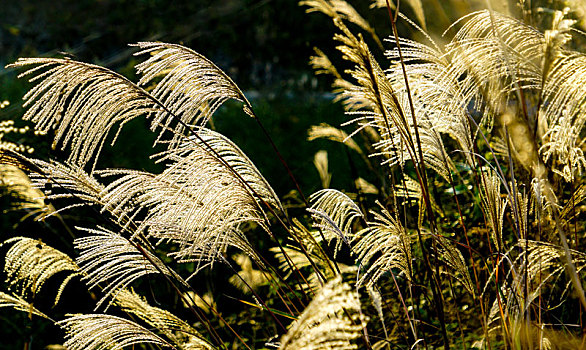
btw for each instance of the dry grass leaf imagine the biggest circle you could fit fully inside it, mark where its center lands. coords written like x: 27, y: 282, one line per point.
x: 320, y: 161
x: 248, y: 277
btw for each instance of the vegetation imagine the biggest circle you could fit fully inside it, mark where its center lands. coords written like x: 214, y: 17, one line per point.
x: 462, y: 226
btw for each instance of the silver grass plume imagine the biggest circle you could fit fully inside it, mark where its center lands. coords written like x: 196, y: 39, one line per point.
x: 106, y: 332
x: 82, y: 102
x: 534, y: 265
x: 331, y: 321
x: 341, y: 10
x: 322, y: 65
x: 365, y: 187
x: 300, y: 260
x: 439, y: 102
x: 184, y: 336
x: 333, y: 212
x: 112, y: 262
x: 237, y: 160
x: 312, y: 255
x: 29, y: 263
x: 187, y: 211
x: 493, y: 205
x: 569, y: 211
x: 498, y: 56
x: 66, y: 180
x: 371, y: 99
x: 192, y: 87
x: 13, y: 158
x: 435, y: 155
x: 578, y: 8
x: 321, y: 163
x: 376, y: 104
x: 197, y: 202
x: 410, y: 190
x: 563, y: 117
x: 373, y: 91
x: 521, y: 208
x: 454, y: 263
x: 490, y: 62
x: 19, y: 304
x: 315, y: 258
x: 382, y: 246
x: 69, y: 181
x: 325, y: 131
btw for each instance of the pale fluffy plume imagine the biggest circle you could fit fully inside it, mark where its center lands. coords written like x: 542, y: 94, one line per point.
x: 28, y: 197
x: 535, y: 268
x: 416, y: 6
x: 192, y: 87
x: 184, y: 336
x: 333, y: 212
x: 112, y: 262
x: 499, y: 57
x: 105, y: 332
x: 199, y: 201
x: 494, y: 205
x: 454, y: 263
x: 29, y: 263
x: 83, y: 102
x: 341, y: 10
x: 563, y: 116
x: 331, y: 321
x: 382, y: 246
x: 329, y: 132
x: 67, y: 181
x: 320, y: 161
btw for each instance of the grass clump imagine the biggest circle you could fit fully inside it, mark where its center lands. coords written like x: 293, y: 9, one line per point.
x: 461, y: 227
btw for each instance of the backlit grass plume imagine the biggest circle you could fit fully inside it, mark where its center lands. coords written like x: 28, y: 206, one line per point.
x: 82, y: 102
x: 29, y: 263
x: 183, y: 335
x: 192, y: 87
x: 101, y: 332
x: 331, y: 321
